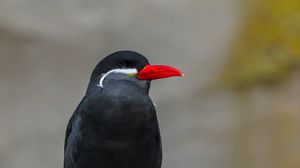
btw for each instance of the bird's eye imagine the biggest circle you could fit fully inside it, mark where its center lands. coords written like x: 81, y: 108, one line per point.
x: 122, y: 65
x: 125, y: 65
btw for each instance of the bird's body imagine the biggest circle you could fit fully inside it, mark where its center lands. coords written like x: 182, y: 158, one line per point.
x: 114, y: 126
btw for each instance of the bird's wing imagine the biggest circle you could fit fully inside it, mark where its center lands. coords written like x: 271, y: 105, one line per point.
x: 70, y: 123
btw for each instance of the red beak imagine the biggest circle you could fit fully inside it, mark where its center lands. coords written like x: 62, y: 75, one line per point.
x: 151, y: 72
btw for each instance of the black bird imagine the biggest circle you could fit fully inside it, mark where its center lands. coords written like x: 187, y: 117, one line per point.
x: 115, y: 124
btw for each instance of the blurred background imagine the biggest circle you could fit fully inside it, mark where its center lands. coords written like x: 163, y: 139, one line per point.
x: 237, y: 107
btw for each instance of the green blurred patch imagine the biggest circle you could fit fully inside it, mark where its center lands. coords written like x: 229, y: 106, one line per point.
x: 268, y: 49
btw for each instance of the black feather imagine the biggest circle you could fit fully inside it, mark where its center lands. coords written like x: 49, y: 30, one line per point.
x: 115, y: 126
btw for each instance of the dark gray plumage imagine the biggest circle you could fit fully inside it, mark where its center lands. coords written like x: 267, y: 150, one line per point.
x: 115, y: 126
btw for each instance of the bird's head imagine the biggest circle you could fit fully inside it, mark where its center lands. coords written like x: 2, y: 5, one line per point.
x: 133, y: 65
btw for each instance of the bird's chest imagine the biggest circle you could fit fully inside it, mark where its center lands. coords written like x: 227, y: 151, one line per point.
x: 121, y: 125
x: 130, y: 141
x: 118, y: 110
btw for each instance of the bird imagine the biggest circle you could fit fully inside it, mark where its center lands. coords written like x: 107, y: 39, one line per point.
x: 115, y: 125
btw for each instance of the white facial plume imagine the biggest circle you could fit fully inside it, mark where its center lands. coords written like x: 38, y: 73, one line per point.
x: 123, y: 71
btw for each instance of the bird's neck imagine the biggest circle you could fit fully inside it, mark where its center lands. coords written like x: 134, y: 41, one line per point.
x: 100, y: 83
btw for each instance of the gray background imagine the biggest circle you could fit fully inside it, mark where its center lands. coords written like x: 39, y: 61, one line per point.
x: 48, y: 49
